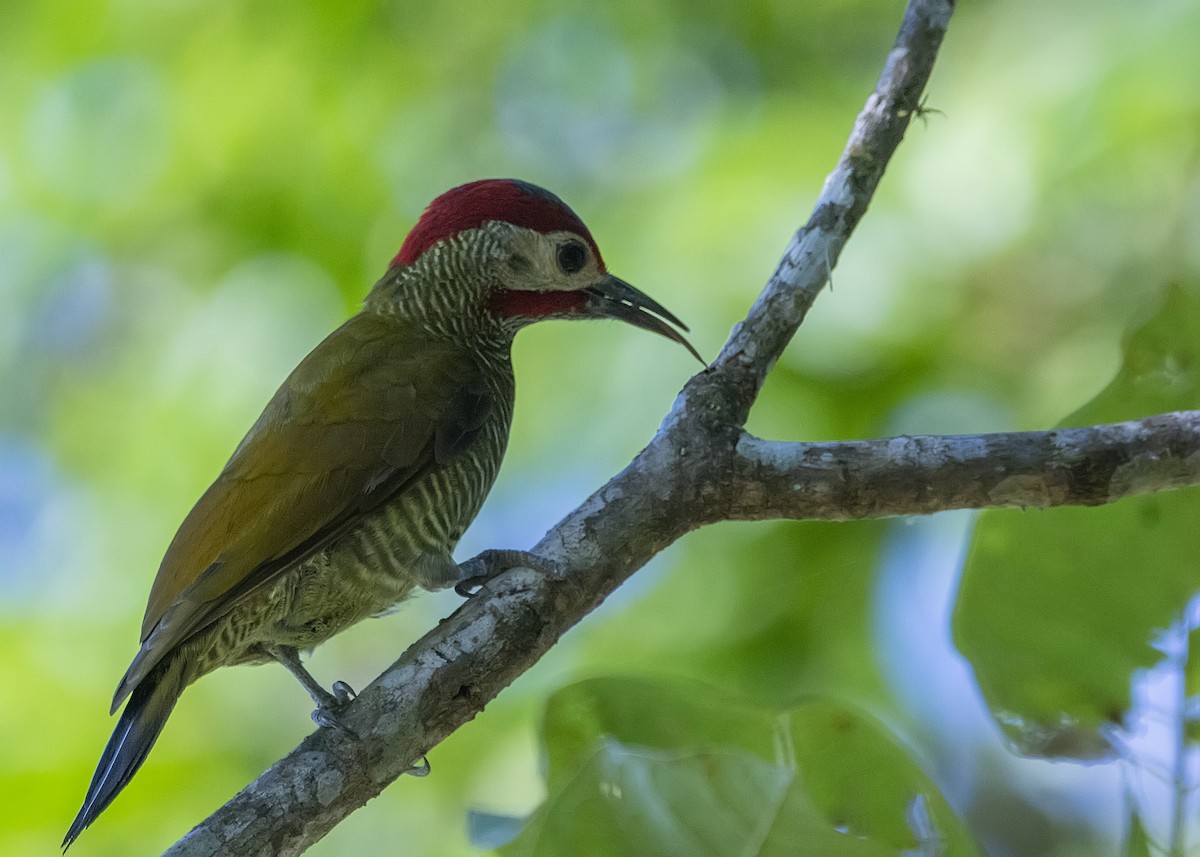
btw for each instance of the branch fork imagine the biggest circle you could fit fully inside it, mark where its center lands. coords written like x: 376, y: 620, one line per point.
x: 700, y: 468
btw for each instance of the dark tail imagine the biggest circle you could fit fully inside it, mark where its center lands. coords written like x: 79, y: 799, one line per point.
x: 147, y: 710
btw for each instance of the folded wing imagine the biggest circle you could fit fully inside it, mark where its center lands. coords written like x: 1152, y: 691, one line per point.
x: 367, y: 413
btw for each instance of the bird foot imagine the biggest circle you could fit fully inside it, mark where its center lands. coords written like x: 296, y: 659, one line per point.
x: 330, y: 706
x: 490, y: 564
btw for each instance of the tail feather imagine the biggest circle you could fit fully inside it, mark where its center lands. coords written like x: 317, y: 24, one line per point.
x: 137, y: 730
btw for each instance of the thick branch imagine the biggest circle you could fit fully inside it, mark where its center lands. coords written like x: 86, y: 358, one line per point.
x: 920, y: 475
x: 448, y: 676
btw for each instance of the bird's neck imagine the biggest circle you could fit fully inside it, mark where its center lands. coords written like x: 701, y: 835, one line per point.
x: 445, y: 294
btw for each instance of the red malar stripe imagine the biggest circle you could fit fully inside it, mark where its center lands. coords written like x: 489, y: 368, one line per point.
x: 507, y: 303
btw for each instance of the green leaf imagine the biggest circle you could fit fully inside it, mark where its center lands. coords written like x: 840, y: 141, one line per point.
x: 1058, y: 608
x: 1191, y: 685
x: 646, y: 767
x: 637, y: 800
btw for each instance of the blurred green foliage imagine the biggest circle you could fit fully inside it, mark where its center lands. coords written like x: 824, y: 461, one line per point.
x: 671, y: 768
x: 1052, y: 626
x: 192, y: 194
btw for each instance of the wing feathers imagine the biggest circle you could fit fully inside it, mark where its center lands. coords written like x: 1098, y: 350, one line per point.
x: 339, y: 438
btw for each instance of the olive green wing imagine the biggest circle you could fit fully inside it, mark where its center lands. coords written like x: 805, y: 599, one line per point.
x: 370, y: 410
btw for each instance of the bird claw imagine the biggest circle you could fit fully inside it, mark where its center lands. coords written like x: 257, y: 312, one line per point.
x: 490, y: 564
x: 331, y: 706
x: 343, y: 693
x: 471, y: 585
x: 421, y: 770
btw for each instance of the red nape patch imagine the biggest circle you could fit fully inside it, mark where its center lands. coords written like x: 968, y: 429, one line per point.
x: 510, y: 303
x: 471, y: 205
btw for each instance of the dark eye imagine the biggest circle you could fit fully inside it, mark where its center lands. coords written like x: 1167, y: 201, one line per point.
x: 571, y: 257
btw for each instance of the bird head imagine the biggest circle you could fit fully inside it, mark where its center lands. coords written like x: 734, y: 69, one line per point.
x: 537, y: 257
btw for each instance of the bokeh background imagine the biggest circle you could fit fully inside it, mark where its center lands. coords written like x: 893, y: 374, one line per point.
x: 192, y: 194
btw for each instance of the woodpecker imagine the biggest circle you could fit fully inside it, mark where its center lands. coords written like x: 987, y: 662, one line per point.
x: 360, y: 476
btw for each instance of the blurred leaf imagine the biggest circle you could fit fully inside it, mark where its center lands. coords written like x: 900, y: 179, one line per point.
x: 634, y: 800
x: 658, y: 767
x: 1137, y: 840
x: 1191, y: 687
x: 1057, y: 608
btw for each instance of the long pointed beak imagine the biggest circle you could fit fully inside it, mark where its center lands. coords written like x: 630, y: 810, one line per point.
x: 611, y: 297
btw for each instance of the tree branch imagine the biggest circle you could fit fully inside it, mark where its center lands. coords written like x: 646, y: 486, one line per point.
x: 921, y: 475
x: 808, y: 260
x: 673, y: 486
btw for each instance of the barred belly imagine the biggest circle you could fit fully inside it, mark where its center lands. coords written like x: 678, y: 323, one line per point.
x: 405, y: 544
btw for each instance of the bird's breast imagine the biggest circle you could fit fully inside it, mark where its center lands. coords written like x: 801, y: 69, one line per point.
x: 377, y: 564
